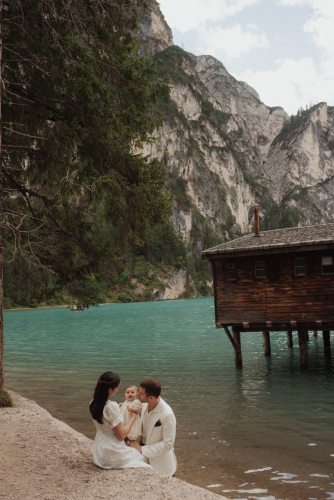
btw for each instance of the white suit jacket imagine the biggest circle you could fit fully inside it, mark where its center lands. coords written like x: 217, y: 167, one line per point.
x: 159, y: 448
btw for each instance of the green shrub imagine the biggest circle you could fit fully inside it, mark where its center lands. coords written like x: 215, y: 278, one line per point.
x: 7, y: 303
x: 178, y: 188
x: 5, y: 400
x: 125, y: 297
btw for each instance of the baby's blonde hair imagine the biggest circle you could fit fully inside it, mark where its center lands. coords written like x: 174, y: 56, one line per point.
x: 131, y: 385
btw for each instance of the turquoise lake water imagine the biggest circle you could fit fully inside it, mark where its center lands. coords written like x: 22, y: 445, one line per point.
x: 265, y: 416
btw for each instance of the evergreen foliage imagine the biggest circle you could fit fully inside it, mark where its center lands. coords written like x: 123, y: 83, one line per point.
x: 177, y: 187
x: 164, y: 249
x: 170, y: 62
x: 76, y: 110
x: 214, y: 116
x: 278, y: 216
x: 163, y: 245
x: 292, y: 124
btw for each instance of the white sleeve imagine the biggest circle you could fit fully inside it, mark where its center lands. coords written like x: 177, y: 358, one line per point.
x: 113, y: 414
x: 168, y: 438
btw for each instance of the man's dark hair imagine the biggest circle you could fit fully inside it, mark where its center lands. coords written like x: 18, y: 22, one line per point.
x: 152, y: 387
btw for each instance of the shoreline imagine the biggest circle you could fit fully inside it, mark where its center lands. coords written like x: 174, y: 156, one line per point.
x: 104, y: 304
x: 32, y: 308
x: 47, y: 459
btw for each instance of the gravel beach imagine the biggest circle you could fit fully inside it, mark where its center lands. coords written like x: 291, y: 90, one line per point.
x: 42, y: 457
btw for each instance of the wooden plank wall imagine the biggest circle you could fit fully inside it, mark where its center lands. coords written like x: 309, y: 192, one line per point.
x: 281, y: 296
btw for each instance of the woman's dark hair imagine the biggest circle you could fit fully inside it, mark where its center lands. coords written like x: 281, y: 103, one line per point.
x: 109, y: 380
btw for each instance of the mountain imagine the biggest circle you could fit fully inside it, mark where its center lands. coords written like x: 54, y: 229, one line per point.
x: 300, y: 164
x: 224, y: 149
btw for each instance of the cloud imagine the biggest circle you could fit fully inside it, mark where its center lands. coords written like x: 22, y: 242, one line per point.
x: 292, y: 3
x: 292, y: 84
x: 321, y: 22
x: 231, y: 42
x: 205, y: 18
x: 298, y: 82
x: 321, y: 25
x: 183, y: 16
x: 289, y: 83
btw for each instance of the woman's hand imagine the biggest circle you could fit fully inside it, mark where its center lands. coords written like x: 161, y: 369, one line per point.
x: 120, y: 405
x: 134, y: 410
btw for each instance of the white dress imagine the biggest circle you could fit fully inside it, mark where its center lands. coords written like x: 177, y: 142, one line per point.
x: 135, y: 431
x: 108, y: 451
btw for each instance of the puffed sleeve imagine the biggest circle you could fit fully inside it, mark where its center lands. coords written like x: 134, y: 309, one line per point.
x: 112, y: 414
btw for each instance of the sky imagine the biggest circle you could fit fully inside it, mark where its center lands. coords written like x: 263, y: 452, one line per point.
x: 284, y: 49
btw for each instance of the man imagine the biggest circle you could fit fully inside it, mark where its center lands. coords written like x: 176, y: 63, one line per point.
x: 158, y: 429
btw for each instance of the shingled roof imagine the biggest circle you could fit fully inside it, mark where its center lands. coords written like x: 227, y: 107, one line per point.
x: 300, y: 238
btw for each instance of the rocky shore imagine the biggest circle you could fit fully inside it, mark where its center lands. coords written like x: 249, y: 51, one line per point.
x: 43, y: 458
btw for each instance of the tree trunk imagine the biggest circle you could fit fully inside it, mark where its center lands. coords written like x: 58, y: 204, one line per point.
x: 1, y: 217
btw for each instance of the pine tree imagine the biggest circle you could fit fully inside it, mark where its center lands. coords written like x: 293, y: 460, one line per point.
x: 74, y: 117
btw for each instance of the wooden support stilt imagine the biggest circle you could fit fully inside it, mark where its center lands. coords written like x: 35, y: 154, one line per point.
x: 302, y: 340
x: 327, y: 343
x: 235, y: 341
x: 289, y: 338
x: 307, y: 336
x: 237, y: 351
x: 266, y: 344
x: 315, y: 333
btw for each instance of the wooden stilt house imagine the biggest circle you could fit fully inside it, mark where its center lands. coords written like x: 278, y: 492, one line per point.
x: 280, y: 280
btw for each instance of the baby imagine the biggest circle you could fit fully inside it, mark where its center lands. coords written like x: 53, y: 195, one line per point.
x: 130, y: 393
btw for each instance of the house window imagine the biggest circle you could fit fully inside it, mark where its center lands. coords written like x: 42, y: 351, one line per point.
x: 260, y: 269
x: 300, y: 267
x: 230, y: 272
x: 327, y: 265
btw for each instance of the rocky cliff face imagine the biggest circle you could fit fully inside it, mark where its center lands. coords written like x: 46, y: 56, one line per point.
x: 214, y: 142
x: 175, y: 286
x: 154, y: 32
x: 300, y: 165
x: 224, y: 149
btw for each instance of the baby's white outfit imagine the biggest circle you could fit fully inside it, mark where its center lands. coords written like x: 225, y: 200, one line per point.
x: 135, y: 431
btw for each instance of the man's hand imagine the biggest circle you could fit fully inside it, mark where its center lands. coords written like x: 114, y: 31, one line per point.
x: 134, y: 410
x: 134, y: 444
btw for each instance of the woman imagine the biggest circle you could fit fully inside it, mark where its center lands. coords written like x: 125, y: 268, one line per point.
x: 109, y: 448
